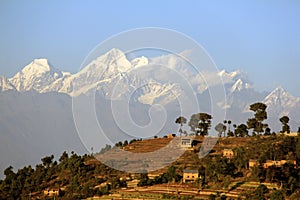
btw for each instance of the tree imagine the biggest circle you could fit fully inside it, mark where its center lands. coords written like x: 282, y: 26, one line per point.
x: 229, y: 133
x: 260, y: 115
x: 64, y: 157
x: 229, y: 123
x: 200, y: 123
x: 8, y: 171
x: 47, y: 161
x: 276, y: 195
x: 204, y: 123
x: 234, y: 128
x: 220, y: 128
x: 180, y: 120
x: 268, y: 131
x: 144, y: 180
x: 260, y: 192
x: 285, y: 127
x: 241, y: 130
x: 240, y: 158
x: 297, y: 150
x: 171, y: 174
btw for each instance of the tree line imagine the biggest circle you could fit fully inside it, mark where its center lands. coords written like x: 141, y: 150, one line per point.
x: 200, y: 124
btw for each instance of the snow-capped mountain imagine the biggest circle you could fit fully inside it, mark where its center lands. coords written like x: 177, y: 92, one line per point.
x: 101, y: 72
x: 112, y: 71
x: 5, y: 84
x: 113, y: 68
x: 35, y: 76
x: 43, y: 96
x: 280, y: 102
x: 240, y: 85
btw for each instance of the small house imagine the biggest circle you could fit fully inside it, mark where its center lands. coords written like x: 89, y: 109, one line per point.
x: 50, y: 192
x: 253, y: 163
x: 228, y: 153
x: 277, y: 163
x: 190, y: 175
x: 186, y: 142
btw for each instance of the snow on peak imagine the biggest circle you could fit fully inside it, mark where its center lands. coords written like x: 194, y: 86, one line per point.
x: 280, y: 97
x: 141, y: 61
x: 235, y: 80
x: 34, y: 76
x: 5, y: 85
x: 279, y: 92
x: 233, y: 74
x: 222, y: 73
x: 37, y: 66
x: 108, y: 64
x: 115, y: 58
x: 240, y: 85
x: 114, y: 52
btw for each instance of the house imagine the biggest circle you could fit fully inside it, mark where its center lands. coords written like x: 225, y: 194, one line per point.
x: 270, y: 163
x: 228, y: 153
x: 277, y: 163
x: 52, y: 192
x: 171, y: 135
x: 253, y: 163
x: 186, y: 142
x: 190, y: 175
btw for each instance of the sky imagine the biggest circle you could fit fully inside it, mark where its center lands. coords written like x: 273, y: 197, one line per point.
x: 261, y: 38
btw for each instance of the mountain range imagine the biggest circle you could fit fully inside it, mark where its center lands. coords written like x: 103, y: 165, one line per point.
x: 36, y: 103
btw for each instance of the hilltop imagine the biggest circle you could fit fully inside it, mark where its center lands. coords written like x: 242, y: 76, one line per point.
x: 79, y: 177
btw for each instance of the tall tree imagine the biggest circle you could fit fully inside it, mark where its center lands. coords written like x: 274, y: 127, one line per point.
x: 180, y: 120
x: 220, y: 128
x: 225, y: 122
x: 47, y: 161
x: 285, y: 126
x: 229, y: 124
x: 260, y: 115
x: 229, y: 132
x: 200, y: 123
x: 241, y: 130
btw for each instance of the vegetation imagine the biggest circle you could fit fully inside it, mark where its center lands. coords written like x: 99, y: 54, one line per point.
x: 200, y: 123
x: 260, y: 115
x: 80, y: 177
x: 285, y: 127
x: 73, y: 174
x: 180, y: 120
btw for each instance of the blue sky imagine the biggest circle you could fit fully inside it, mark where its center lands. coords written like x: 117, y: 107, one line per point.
x: 261, y: 38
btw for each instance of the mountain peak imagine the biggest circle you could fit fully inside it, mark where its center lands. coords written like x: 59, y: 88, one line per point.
x: 279, y: 89
x: 240, y: 85
x: 279, y: 96
x: 40, y: 65
x: 279, y: 92
x: 114, y: 52
x: 35, y: 75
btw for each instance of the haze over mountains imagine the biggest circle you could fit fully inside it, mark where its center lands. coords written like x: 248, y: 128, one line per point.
x: 36, y: 103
